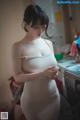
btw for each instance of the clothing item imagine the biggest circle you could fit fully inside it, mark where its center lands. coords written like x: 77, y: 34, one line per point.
x: 73, y: 51
x: 40, y: 99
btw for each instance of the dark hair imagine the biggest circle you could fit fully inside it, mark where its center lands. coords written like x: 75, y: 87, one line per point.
x: 35, y: 15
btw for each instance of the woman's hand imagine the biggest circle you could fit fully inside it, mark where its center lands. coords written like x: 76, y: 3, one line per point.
x: 50, y: 73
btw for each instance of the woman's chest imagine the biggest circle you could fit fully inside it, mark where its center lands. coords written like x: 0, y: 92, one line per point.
x: 38, y: 57
x: 38, y: 49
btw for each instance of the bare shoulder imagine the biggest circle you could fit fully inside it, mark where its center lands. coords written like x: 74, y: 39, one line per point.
x: 17, y: 49
x: 17, y: 46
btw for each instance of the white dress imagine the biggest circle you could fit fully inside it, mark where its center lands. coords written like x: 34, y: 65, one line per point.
x: 40, y: 99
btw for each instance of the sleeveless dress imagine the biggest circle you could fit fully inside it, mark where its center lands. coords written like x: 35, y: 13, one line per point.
x: 40, y: 99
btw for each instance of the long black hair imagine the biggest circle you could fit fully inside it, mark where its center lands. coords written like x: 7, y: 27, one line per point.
x: 34, y: 15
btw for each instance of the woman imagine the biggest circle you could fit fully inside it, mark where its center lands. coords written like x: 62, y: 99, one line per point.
x: 36, y: 67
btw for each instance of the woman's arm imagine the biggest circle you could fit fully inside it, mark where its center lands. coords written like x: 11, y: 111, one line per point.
x: 21, y: 77
x: 48, y: 74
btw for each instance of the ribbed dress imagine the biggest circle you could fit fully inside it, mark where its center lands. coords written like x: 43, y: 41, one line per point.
x: 40, y: 99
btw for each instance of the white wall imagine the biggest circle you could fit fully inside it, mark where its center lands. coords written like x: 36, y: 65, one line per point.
x: 11, y: 15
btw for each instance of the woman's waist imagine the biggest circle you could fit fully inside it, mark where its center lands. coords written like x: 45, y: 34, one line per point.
x: 40, y: 89
x: 39, y: 84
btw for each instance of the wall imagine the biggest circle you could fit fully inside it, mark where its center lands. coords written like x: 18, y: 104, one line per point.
x: 58, y: 31
x: 71, y: 15
x: 76, y: 16
x: 67, y: 24
x: 11, y: 14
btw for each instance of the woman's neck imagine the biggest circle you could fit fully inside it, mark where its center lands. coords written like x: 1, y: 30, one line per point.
x: 29, y: 38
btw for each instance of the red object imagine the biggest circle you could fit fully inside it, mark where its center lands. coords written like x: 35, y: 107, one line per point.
x: 13, y: 82
x: 73, y: 51
x: 59, y: 85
